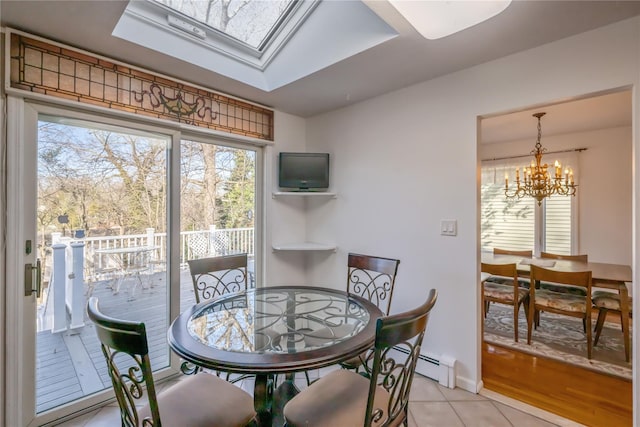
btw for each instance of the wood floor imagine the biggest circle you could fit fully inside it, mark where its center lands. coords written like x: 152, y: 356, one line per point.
x: 575, y: 393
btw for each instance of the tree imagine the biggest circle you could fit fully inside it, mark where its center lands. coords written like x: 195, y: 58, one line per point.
x: 101, y: 178
x: 104, y: 180
x: 218, y: 184
x: 239, y: 199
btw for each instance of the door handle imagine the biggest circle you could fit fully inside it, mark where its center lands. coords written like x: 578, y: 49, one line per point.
x: 29, y: 271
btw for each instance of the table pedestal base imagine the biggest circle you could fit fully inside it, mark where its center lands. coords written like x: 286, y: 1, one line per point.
x: 269, y: 403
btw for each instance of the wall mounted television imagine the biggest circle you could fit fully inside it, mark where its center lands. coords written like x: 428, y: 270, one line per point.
x: 303, y: 171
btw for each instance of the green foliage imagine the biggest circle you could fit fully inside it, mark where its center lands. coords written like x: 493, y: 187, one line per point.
x: 239, y: 198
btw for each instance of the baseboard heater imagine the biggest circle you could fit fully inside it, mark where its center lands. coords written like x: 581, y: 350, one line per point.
x: 442, y: 369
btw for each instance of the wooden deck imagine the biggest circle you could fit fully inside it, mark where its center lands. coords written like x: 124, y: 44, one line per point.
x: 70, y: 365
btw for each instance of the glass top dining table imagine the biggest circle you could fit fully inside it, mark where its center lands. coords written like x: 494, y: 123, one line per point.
x: 272, y: 330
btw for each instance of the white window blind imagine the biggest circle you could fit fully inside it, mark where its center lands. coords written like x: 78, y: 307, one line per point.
x: 511, y: 223
x: 558, y: 225
x: 505, y: 223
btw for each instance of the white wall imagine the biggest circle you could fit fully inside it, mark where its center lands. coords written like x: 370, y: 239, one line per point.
x: 604, y: 187
x: 406, y: 160
x: 606, y: 216
x: 285, y: 219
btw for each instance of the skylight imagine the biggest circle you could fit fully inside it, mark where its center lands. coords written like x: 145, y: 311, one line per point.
x: 283, y: 41
x: 253, y: 22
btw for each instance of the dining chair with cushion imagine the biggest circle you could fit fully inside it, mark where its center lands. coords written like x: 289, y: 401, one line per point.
x: 543, y: 300
x: 607, y: 302
x: 381, y: 396
x: 216, y: 276
x: 579, y: 258
x: 560, y: 288
x: 196, y: 401
x: 523, y: 283
x: 526, y: 254
x: 504, y: 293
x: 372, y: 278
x: 557, y: 287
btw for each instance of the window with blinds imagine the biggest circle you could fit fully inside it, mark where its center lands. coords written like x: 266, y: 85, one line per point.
x: 557, y: 224
x: 511, y: 223
x: 506, y: 223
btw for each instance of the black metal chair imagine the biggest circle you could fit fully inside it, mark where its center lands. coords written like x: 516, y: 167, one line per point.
x: 197, y: 401
x: 379, y: 396
x: 373, y: 278
x: 216, y: 276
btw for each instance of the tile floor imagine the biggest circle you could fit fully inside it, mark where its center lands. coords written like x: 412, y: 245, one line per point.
x: 430, y: 405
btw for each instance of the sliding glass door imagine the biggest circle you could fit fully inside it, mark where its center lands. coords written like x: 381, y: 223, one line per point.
x: 96, y: 212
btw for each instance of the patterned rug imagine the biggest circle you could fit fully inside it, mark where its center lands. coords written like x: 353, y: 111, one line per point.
x: 561, y: 338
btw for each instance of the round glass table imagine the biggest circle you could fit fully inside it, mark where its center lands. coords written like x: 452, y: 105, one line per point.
x: 273, y: 330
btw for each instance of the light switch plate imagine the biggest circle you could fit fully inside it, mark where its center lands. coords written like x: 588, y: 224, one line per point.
x: 449, y: 227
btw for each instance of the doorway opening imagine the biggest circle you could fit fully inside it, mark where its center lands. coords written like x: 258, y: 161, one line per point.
x: 596, y: 222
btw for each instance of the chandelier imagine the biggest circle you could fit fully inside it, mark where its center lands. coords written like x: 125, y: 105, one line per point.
x: 537, y: 181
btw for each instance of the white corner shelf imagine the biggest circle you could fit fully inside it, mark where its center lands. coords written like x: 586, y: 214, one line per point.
x: 304, y: 246
x: 328, y: 194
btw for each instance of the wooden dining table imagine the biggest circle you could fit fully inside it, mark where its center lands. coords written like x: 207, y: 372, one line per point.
x: 604, y: 275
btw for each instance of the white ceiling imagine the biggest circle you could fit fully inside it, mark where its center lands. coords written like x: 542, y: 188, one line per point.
x: 399, y: 62
x: 597, y: 112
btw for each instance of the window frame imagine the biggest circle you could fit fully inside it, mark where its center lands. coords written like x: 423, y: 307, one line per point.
x: 220, y: 42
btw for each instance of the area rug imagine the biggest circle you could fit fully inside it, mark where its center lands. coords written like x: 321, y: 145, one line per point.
x: 560, y: 338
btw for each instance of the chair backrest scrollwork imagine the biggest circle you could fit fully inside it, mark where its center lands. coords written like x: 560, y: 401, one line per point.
x: 372, y: 278
x: 125, y: 348
x: 216, y: 276
x: 392, y: 363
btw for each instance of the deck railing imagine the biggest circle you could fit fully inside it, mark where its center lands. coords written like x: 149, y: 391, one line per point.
x: 193, y: 244
x: 73, y: 264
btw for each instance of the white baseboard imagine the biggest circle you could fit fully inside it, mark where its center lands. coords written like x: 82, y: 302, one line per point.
x: 440, y: 368
x: 468, y: 385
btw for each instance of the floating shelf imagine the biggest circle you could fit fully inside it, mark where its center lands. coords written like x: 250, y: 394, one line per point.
x: 303, y: 194
x: 304, y: 246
